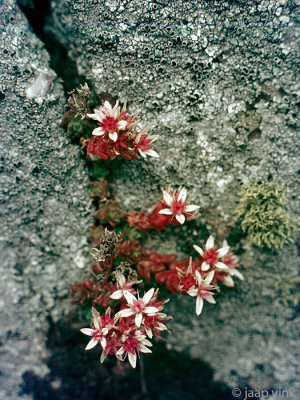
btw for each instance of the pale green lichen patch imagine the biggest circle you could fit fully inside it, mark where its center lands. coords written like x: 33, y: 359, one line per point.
x: 264, y: 217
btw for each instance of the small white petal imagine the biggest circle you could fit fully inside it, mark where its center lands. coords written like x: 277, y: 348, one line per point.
x: 150, y: 310
x: 209, y: 277
x: 98, y: 132
x: 97, y: 323
x: 95, y: 313
x: 113, y: 136
x: 198, y: 277
x: 92, y: 343
x: 210, y: 299
x: 161, y: 327
x: 205, y: 266
x: 224, y: 244
x: 129, y: 297
x: 120, y: 351
x: 153, y: 138
x: 120, y: 357
x: 105, y: 331
x: 165, y: 211
x: 121, y: 280
x: 180, y: 218
x: 138, y: 319
x: 210, y: 243
x: 142, y: 153
x: 228, y: 281
x: 132, y: 359
x: 103, y: 342
x: 167, y: 198
x: 107, y: 105
x: 125, y: 313
x: 238, y: 274
x: 87, y: 331
x: 103, y: 357
x: 138, y: 137
x: 182, y: 195
x: 146, y: 342
x: 144, y: 349
x: 199, y: 305
x: 198, y: 249
x: 220, y: 265
x: 191, y: 208
x: 121, y: 124
x: 152, y: 153
x: 192, y: 292
x: 93, y: 116
x: 100, y: 115
x: 148, y: 295
x: 115, y: 111
x: 149, y: 333
x: 118, y: 294
x: 222, y: 251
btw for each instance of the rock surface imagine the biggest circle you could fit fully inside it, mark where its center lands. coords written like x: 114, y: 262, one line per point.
x: 44, y: 192
x: 217, y: 81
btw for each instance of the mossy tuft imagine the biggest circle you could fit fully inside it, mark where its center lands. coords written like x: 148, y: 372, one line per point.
x: 264, y: 217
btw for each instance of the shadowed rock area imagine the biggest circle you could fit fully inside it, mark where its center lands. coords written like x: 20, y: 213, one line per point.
x: 78, y: 374
x: 217, y: 81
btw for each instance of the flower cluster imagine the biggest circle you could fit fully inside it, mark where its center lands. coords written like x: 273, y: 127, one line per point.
x: 125, y: 333
x: 116, y: 135
x: 172, y: 209
x: 221, y: 261
x: 127, y: 321
x: 195, y: 278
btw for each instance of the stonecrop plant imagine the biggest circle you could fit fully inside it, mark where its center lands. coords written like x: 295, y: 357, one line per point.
x: 123, y: 289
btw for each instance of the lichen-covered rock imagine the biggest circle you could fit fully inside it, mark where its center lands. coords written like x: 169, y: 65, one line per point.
x: 44, y: 193
x: 217, y: 81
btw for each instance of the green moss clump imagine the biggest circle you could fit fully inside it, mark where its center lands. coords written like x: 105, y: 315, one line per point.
x: 264, y: 217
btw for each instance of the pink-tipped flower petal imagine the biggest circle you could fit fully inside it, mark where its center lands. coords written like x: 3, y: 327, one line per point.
x: 92, y: 343
x: 167, y: 198
x: 221, y: 265
x: 182, y: 195
x: 191, y: 208
x: 205, y: 266
x: 198, y: 249
x: 210, y: 243
x: 113, y: 136
x: 165, y: 211
x: 180, y: 218
x: 148, y: 295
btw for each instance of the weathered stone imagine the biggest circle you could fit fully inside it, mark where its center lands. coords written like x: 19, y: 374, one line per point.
x: 44, y: 192
x: 217, y: 81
